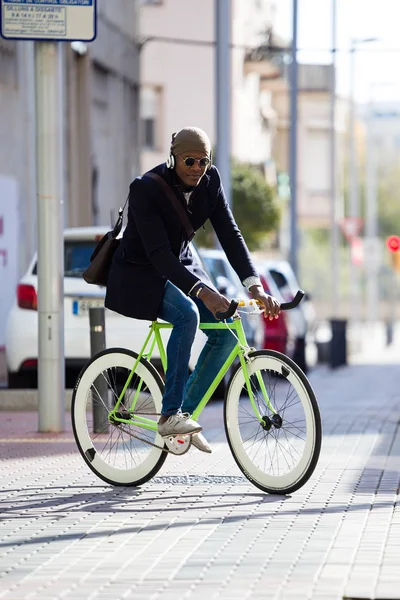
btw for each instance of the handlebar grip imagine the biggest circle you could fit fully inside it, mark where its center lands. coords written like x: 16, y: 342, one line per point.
x: 228, y: 313
x: 295, y: 302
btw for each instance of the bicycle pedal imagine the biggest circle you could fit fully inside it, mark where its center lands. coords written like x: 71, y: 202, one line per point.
x: 178, y: 444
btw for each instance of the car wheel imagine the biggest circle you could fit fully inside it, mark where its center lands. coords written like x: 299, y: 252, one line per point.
x: 24, y: 380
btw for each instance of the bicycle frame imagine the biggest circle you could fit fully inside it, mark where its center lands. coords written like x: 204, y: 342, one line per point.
x: 154, y: 337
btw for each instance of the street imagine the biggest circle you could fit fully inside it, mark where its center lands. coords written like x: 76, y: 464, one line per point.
x: 199, y: 529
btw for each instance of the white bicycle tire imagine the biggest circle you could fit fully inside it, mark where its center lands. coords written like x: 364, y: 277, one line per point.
x: 133, y: 475
x: 295, y: 478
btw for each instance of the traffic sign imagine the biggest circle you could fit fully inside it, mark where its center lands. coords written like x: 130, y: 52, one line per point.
x: 51, y: 20
x: 351, y: 227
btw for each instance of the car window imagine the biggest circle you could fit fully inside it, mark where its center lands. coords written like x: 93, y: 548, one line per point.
x: 279, y: 278
x: 77, y: 255
x: 215, y: 266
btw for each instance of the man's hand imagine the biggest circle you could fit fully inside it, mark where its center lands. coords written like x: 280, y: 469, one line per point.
x: 214, y: 301
x: 271, y: 304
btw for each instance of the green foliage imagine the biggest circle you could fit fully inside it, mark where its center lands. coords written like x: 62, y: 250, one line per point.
x: 254, y: 207
x: 389, y: 202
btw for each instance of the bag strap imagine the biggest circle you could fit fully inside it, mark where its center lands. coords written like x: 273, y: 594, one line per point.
x: 176, y: 204
x: 118, y: 225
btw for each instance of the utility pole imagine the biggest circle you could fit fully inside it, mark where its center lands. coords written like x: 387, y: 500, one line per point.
x: 354, y: 199
x: 223, y: 20
x: 371, y: 221
x: 354, y: 203
x: 334, y: 204
x: 79, y: 135
x: 293, y: 145
x: 49, y: 93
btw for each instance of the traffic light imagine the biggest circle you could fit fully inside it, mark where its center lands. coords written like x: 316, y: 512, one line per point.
x: 393, y: 245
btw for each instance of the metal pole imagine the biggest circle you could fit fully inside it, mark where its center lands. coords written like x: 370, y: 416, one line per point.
x: 223, y: 19
x: 50, y: 237
x: 354, y: 209
x: 334, y: 204
x: 27, y: 50
x: 97, y: 344
x: 293, y: 145
x: 371, y: 223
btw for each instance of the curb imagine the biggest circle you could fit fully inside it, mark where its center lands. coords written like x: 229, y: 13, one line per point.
x: 25, y: 400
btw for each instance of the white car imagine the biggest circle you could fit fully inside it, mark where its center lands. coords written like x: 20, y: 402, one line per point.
x: 22, y: 322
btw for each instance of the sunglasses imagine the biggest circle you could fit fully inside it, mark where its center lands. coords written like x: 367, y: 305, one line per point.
x: 190, y: 161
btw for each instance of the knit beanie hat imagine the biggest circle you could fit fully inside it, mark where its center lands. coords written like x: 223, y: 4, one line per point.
x: 190, y: 139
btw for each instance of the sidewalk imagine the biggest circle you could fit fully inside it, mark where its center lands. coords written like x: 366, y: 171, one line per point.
x: 199, y: 529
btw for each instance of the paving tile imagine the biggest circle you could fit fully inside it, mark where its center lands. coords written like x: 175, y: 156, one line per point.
x: 68, y: 535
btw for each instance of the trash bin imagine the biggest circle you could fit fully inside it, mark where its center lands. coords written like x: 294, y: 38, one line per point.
x: 338, y: 346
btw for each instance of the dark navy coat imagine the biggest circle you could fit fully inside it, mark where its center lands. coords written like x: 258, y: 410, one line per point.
x: 154, y: 247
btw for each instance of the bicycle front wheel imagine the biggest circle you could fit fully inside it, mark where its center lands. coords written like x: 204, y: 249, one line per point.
x: 279, y: 452
x: 119, y: 453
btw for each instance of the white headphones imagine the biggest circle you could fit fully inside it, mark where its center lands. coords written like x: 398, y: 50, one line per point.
x: 170, y: 161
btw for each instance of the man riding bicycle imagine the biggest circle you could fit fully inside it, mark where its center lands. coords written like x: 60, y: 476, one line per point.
x: 154, y: 274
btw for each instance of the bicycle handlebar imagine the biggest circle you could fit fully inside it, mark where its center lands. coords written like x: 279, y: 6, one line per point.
x: 235, y: 303
x: 228, y: 313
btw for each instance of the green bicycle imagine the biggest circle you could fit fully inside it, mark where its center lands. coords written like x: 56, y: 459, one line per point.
x: 271, y: 416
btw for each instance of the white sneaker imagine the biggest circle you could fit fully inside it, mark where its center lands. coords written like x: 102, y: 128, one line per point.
x: 201, y: 443
x: 177, y: 424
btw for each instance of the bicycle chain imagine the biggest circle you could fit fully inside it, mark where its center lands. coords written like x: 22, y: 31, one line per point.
x: 164, y: 449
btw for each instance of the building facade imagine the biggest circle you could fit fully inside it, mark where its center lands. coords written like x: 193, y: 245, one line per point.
x: 178, y: 89
x: 314, y: 131
x: 178, y: 76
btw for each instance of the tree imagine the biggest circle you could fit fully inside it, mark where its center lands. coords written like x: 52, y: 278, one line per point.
x: 389, y: 201
x: 254, y: 206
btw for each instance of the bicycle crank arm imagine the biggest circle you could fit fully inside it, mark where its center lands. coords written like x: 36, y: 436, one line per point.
x: 164, y: 448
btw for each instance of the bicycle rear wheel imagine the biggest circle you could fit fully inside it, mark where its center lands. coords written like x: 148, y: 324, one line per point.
x: 279, y: 454
x: 120, y: 454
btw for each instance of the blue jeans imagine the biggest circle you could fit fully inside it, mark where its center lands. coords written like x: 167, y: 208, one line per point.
x: 184, y: 314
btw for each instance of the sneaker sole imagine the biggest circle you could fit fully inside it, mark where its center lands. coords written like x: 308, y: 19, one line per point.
x: 165, y: 435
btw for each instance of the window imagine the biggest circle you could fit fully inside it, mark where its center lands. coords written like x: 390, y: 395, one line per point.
x: 149, y: 133
x: 150, y: 106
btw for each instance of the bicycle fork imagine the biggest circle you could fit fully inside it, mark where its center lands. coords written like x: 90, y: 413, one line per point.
x: 266, y: 422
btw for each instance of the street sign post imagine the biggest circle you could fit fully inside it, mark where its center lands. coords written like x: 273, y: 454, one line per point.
x: 58, y: 20
x: 393, y: 245
x: 48, y: 22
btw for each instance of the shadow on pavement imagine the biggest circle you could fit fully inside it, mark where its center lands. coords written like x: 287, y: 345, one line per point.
x: 108, y: 506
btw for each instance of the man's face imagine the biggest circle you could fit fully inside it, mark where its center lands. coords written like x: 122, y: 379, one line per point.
x: 190, y: 175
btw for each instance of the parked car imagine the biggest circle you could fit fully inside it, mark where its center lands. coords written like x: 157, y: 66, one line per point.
x: 21, y: 343
x: 299, y: 323
x: 228, y: 283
